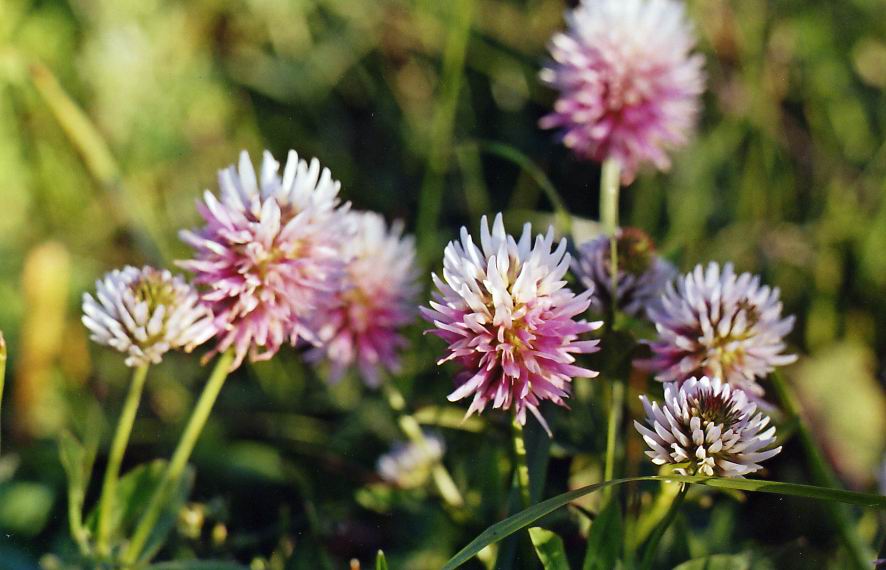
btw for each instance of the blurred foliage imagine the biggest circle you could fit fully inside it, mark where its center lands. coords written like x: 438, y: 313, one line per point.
x: 116, y: 114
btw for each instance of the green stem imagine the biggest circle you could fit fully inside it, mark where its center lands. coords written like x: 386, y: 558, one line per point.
x: 115, y: 459
x: 180, y: 457
x: 610, y: 184
x: 521, y: 467
x: 822, y: 474
x: 412, y: 430
x: 649, y: 554
x: 2, y: 379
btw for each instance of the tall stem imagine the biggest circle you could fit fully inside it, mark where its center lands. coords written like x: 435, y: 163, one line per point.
x: 521, y: 467
x: 655, y: 538
x: 115, y: 459
x: 176, y: 466
x: 412, y: 430
x: 822, y: 474
x: 610, y: 184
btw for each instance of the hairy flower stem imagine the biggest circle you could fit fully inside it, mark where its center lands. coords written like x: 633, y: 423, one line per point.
x: 822, y: 474
x: 655, y: 538
x: 521, y: 468
x: 115, y: 459
x: 412, y: 430
x: 176, y: 466
x: 610, y: 184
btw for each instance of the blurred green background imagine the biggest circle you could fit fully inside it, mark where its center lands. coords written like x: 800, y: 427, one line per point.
x: 116, y: 114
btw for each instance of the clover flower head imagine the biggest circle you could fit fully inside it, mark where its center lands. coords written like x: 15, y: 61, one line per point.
x: 628, y: 83
x: 717, y: 323
x: 408, y: 465
x: 709, y: 428
x: 146, y: 312
x: 377, y: 300
x: 642, y: 273
x: 510, y: 320
x: 269, y: 254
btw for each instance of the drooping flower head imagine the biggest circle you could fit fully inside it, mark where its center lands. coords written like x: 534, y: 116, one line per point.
x: 268, y: 255
x: 377, y: 300
x: 715, y: 323
x: 708, y: 425
x: 408, y: 465
x: 509, y: 320
x: 642, y: 274
x: 146, y: 312
x: 628, y: 84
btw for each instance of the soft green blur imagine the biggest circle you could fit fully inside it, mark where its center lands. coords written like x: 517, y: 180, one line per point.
x: 115, y: 115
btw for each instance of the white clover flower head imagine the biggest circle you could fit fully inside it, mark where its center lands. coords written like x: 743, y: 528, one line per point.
x: 408, y: 465
x: 642, y: 273
x: 146, y: 312
x: 362, y: 328
x: 717, y: 323
x: 269, y: 255
x: 628, y: 83
x: 509, y: 319
x: 709, y: 428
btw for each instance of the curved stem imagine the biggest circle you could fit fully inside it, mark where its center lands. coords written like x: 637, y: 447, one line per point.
x: 655, y: 538
x: 115, y: 459
x: 180, y: 457
x: 412, y: 430
x: 521, y: 468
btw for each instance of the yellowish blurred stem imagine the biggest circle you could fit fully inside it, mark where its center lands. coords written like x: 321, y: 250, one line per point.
x: 412, y: 430
x: 115, y: 459
x: 610, y: 185
x: 2, y: 382
x: 521, y: 467
x: 174, y: 470
x: 822, y: 474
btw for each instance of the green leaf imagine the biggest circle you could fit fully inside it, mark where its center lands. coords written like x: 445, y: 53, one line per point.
x: 196, y: 565
x: 380, y: 562
x: 526, y: 517
x: 605, y: 539
x: 134, y: 491
x: 77, y: 460
x: 717, y: 562
x: 549, y: 548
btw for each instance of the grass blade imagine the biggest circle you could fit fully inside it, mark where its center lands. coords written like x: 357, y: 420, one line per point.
x: 528, y: 516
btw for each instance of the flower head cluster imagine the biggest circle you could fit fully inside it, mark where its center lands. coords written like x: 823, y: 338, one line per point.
x: 408, y: 465
x: 642, y: 274
x: 709, y: 427
x: 628, y: 84
x: 269, y: 254
x: 509, y: 320
x: 376, y: 301
x: 146, y: 312
x: 719, y: 324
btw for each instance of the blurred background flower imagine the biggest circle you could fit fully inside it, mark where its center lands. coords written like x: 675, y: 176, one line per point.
x: 642, y: 273
x: 408, y: 465
x: 629, y: 86
x: 362, y: 326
